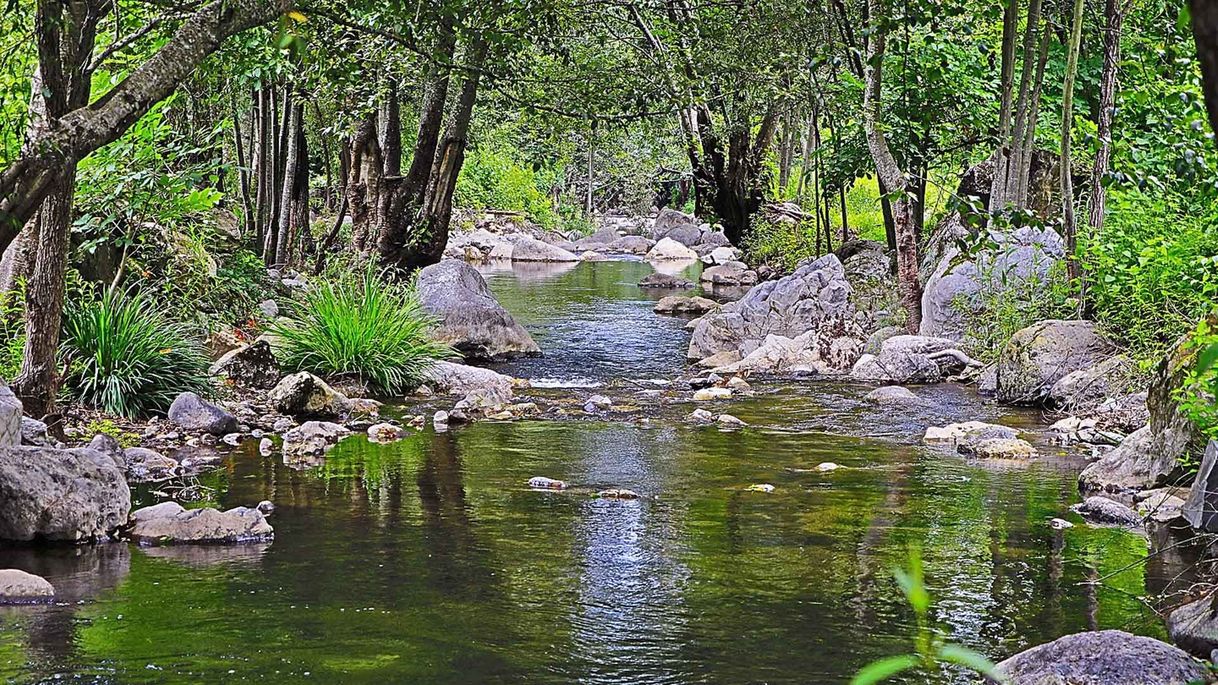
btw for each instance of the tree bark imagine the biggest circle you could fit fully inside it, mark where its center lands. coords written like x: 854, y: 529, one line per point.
x: 889, y: 171
x: 243, y: 171
x: 1010, y: 26
x: 1069, y: 223
x: 34, y: 174
x: 1204, y: 16
x: 1114, y: 16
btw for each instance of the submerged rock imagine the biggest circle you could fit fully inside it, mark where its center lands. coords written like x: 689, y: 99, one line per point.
x: 892, y: 395
x: 729, y: 421
x: 997, y: 448
x: 312, y: 438
x: 955, y: 433
x: 60, y: 495
x: 659, y: 280
x: 192, y: 413
x: 1105, y: 511
x: 617, y: 493
x: 471, y: 319
x: 677, y: 305
x: 543, y: 483
x: 19, y: 587
x: 170, y: 523
x: 1103, y: 657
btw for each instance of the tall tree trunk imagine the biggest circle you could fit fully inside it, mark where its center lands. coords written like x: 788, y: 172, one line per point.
x: 1114, y: 15
x: 889, y: 171
x: 1028, y: 144
x: 1011, y: 184
x: 1069, y: 224
x: 1010, y: 26
x: 243, y: 171
x: 294, y: 199
x: 390, y: 121
x: 1204, y: 16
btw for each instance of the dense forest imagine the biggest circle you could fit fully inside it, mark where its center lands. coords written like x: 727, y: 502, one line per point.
x: 235, y: 232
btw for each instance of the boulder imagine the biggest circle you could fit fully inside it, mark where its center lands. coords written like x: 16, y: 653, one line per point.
x: 659, y: 280
x: 906, y: 359
x: 1201, y: 508
x: 144, y: 465
x: 813, y: 299
x: 470, y: 318
x: 688, y: 235
x: 997, y: 448
x: 527, y: 249
x: 669, y: 218
x: 1037, y: 357
x: 631, y: 244
x: 668, y: 249
x: 34, y: 432
x: 1090, y: 387
x: 807, y: 353
x: 892, y: 395
x: 268, y: 309
x: 459, y: 379
x: 1194, y: 626
x: 1007, y: 263
x: 709, y: 394
x: 192, y: 413
x: 253, y: 366
x: 729, y: 274
x: 676, y: 305
x: 597, y: 241
x: 19, y: 587
x: 875, y: 341
x: 1103, y: 657
x: 107, y: 445
x: 1151, y: 456
x: 60, y: 495
x: 169, y: 523
x: 312, y: 438
x: 1161, y: 506
x: 873, y: 286
x: 1104, y: 511
x: 721, y: 254
x: 956, y: 433
x: 304, y: 395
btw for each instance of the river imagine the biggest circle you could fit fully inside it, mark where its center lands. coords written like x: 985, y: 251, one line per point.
x: 429, y: 561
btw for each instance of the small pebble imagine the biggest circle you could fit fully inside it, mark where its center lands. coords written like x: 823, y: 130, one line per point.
x: 541, y: 482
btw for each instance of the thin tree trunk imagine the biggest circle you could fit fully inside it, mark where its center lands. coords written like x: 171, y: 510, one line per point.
x: 1069, y: 224
x: 243, y: 172
x: 1022, y: 106
x: 889, y: 171
x: 390, y: 121
x: 1028, y: 145
x: 1010, y: 26
x: 281, y: 248
x: 591, y: 158
x: 1114, y: 14
x: 1204, y: 16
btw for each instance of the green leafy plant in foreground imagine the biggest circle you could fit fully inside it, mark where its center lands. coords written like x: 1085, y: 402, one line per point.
x: 930, y: 651
x: 126, y: 357
x: 364, y: 327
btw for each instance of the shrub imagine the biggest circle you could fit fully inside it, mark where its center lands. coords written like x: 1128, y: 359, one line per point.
x: 363, y: 327
x: 127, y: 358
x: 1153, y: 272
x: 779, y: 244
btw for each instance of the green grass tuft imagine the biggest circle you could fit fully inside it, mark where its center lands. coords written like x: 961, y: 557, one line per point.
x: 363, y: 327
x: 127, y: 358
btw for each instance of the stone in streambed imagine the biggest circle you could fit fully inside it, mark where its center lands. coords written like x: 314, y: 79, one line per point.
x: 192, y: 413
x: 19, y: 587
x: 60, y: 495
x: 303, y: 395
x: 1104, y: 511
x: 543, y: 483
x: 1102, y: 657
x: 892, y: 395
x: 170, y: 523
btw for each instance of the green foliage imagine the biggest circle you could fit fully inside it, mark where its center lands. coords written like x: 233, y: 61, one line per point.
x: 930, y: 650
x: 1010, y: 305
x: 1154, y: 268
x: 364, y: 327
x: 779, y: 244
x: 127, y: 358
x: 12, y: 333
x: 1198, y: 394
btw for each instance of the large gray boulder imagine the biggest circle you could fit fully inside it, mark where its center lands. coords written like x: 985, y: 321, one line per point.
x: 312, y: 438
x: 34, y: 432
x: 1087, y: 388
x: 471, y: 320
x: 1103, y: 657
x: 253, y: 365
x: 1004, y: 264
x: 873, y: 286
x: 597, y: 241
x: 688, y: 235
x: 169, y: 523
x: 304, y: 395
x: 1194, y: 626
x: 631, y: 244
x: 669, y: 219
x: 1151, y: 455
x: 60, y: 495
x: 527, y: 249
x: 192, y: 413
x: 1037, y: 357
x: 729, y: 274
x: 815, y: 295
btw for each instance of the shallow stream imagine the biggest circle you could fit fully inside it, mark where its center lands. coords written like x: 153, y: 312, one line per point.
x: 429, y: 561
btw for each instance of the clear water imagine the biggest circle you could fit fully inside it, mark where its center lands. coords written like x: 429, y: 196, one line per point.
x: 428, y: 560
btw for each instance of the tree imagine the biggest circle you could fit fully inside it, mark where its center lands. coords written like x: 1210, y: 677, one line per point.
x: 889, y: 171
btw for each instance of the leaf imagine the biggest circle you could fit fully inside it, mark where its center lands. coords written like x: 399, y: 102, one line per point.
x: 297, y: 16
x: 1185, y: 19
x: 963, y: 656
x: 1207, y: 358
x: 883, y: 669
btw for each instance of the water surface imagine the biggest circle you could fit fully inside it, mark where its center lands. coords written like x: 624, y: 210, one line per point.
x: 429, y: 561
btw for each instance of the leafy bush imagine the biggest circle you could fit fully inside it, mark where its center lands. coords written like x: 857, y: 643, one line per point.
x: 12, y: 333
x: 781, y: 245
x: 1153, y: 270
x: 362, y: 327
x: 127, y: 358
x: 1198, y: 394
x: 1011, y: 305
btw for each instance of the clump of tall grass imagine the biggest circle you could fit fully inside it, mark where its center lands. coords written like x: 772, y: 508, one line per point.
x: 126, y: 357
x: 364, y: 327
